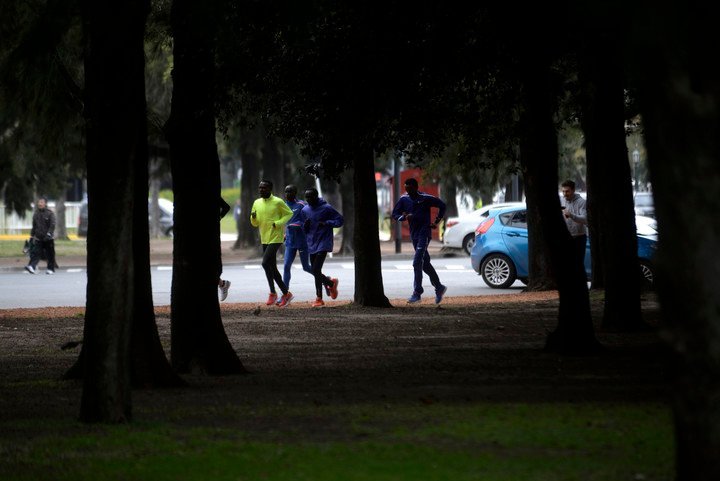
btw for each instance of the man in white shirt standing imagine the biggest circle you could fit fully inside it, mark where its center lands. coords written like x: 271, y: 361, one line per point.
x: 575, y: 212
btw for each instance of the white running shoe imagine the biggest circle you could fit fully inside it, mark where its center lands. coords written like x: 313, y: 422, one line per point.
x: 224, y: 290
x: 49, y: 272
x: 30, y: 269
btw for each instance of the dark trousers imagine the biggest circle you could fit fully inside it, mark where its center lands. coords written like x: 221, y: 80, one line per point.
x: 421, y: 263
x: 43, y: 249
x: 269, y: 265
x: 316, y: 261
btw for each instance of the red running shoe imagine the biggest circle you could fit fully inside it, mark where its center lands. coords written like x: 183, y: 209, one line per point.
x: 271, y: 299
x: 285, y: 299
x: 333, y: 288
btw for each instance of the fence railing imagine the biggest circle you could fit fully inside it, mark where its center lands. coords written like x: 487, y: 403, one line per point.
x: 15, y: 224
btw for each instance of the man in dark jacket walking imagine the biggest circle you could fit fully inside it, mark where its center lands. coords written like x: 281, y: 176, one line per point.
x: 42, y: 238
x: 414, y: 207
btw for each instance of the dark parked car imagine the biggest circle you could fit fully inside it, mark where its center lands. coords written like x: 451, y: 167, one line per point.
x: 166, y: 217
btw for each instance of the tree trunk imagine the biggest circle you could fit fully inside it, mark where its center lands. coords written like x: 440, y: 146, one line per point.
x: 116, y: 136
x: 198, y: 338
x: 369, y: 290
x: 248, y: 235
x: 348, y: 208
x: 149, y: 365
x: 610, y: 201
x: 448, y: 191
x: 273, y: 166
x: 154, y: 181
x: 60, y: 224
x: 680, y: 106
x: 539, y: 153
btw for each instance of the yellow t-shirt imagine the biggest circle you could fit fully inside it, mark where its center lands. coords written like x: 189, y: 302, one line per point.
x: 272, y: 210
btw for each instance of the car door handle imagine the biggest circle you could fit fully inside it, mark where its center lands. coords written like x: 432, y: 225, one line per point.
x: 512, y: 234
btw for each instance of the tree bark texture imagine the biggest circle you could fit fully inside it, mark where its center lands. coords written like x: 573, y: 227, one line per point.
x: 198, y: 339
x: 610, y: 200
x: 248, y: 235
x: 369, y: 289
x: 347, y: 194
x: 680, y: 106
x: 116, y: 136
x: 539, y: 153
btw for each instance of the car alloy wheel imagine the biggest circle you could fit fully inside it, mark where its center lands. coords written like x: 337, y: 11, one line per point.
x: 498, y: 271
x: 647, y: 275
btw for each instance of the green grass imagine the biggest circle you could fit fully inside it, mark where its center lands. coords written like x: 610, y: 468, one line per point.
x: 13, y: 247
x: 483, y: 441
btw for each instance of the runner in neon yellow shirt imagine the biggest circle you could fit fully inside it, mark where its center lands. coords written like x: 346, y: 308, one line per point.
x: 270, y: 214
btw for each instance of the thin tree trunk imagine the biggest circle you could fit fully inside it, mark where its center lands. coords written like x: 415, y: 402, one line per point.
x: 369, y: 290
x: 60, y: 225
x: 610, y: 200
x: 539, y: 153
x: 198, y: 338
x: 247, y: 235
x: 273, y: 165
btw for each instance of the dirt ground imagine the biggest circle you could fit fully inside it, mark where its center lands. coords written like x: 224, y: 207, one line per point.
x: 467, y: 350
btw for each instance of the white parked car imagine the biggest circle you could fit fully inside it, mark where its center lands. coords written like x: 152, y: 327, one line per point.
x: 460, y: 231
x: 644, y: 204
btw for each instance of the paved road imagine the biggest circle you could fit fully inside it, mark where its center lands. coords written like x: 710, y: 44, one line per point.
x: 67, y: 287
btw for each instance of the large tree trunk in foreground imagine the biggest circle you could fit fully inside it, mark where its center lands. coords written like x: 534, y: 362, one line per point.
x: 116, y: 135
x: 369, y: 290
x: 574, y: 333
x: 198, y: 341
x: 610, y: 200
x: 680, y: 105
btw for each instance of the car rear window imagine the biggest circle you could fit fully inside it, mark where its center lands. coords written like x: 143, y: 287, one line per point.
x: 519, y: 220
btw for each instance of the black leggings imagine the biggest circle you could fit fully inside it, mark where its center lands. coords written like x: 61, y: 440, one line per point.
x: 269, y: 265
x: 316, y: 261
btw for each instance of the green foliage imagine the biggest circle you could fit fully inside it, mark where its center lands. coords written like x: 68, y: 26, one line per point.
x: 502, y: 442
x: 341, y: 79
x: 40, y: 100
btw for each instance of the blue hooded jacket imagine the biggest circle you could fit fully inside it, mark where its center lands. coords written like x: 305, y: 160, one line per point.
x: 295, y: 233
x: 320, y: 237
x: 419, y: 207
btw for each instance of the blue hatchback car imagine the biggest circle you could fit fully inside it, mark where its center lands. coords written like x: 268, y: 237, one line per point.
x: 500, y: 254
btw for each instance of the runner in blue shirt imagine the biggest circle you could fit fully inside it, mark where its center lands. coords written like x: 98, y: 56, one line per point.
x: 414, y: 207
x: 295, y: 238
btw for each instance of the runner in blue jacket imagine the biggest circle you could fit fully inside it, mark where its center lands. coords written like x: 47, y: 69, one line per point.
x: 321, y: 218
x: 414, y: 207
x: 295, y: 238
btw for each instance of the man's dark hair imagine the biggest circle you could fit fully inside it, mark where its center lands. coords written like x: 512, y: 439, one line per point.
x: 568, y: 183
x: 269, y: 183
x: 312, y: 190
x: 412, y: 181
x: 291, y: 188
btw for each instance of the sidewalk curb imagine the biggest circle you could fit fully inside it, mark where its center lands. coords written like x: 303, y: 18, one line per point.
x: 258, y: 260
